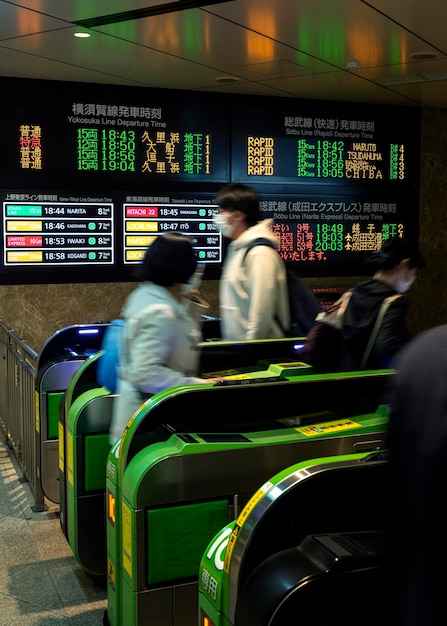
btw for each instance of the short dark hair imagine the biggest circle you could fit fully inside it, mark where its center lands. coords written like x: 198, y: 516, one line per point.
x: 169, y: 259
x: 239, y: 197
x: 395, y: 250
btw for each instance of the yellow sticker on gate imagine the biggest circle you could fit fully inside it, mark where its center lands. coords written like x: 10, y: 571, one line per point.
x: 325, y: 428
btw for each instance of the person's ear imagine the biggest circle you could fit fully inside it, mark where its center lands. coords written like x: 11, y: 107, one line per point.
x: 238, y: 215
x: 405, y: 264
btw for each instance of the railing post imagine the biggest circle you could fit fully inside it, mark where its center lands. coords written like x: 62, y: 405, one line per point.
x: 18, y: 408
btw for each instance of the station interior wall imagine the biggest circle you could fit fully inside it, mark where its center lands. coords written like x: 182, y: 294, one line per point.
x: 35, y: 312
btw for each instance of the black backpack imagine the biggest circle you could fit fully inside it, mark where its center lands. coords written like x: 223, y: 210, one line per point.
x: 304, y: 306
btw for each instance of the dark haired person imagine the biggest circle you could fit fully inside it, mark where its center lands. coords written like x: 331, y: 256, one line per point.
x: 160, y: 334
x: 417, y: 515
x: 253, y: 296
x: 396, y: 267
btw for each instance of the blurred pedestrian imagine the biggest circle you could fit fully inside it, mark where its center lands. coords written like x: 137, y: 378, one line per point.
x: 396, y: 267
x: 253, y: 295
x: 161, y: 333
x: 417, y: 547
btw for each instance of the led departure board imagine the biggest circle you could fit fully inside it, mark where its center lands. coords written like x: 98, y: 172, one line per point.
x: 73, y: 238
x: 49, y: 233
x: 144, y: 222
x: 91, y: 174
x: 337, y: 232
x: 105, y: 133
x: 325, y: 144
x: 346, y: 178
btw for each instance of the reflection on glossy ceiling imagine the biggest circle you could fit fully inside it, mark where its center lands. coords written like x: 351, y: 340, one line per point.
x: 351, y: 50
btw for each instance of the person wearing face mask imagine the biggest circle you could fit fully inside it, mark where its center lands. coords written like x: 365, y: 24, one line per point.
x: 253, y: 294
x: 161, y: 330
x: 396, y: 267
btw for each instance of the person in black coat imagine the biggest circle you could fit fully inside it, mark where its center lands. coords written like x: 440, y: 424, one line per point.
x: 396, y: 266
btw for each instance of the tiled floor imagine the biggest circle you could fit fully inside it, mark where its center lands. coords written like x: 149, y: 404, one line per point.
x: 41, y: 583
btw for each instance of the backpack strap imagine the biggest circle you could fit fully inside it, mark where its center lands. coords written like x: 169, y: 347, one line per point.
x: 383, y: 309
x: 260, y: 241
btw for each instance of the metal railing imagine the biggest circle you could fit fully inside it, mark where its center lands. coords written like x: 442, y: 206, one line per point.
x: 18, y: 405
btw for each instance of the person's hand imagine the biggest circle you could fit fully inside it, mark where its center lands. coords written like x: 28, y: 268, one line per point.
x: 194, y: 295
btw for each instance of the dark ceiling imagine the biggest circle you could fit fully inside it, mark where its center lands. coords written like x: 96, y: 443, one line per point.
x: 380, y: 51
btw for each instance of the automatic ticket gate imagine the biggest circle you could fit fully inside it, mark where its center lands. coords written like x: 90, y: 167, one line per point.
x: 83, y: 380
x: 84, y: 444
x: 83, y: 449
x: 65, y: 352
x: 60, y: 357
x: 165, y: 498
x: 306, y: 549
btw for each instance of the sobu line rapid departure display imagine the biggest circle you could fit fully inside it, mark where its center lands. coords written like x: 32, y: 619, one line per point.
x: 323, y: 144
x: 91, y: 174
x: 354, y: 171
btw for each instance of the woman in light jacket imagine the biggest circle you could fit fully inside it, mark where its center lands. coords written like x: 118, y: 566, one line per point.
x: 161, y: 335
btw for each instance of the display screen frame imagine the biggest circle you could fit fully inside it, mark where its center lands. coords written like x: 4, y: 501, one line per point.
x: 304, y: 209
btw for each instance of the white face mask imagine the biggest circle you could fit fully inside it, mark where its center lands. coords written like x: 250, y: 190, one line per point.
x: 221, y: 221
x: 404, y: 285
x: 194, y: 281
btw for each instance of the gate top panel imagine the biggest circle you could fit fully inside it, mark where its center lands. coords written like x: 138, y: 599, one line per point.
x: 79, y: 340
x: 214, y: 408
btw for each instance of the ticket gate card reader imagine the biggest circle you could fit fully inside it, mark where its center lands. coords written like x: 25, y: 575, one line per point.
x: 344, y: 493
x: 222, y: 407
x: 346, y: 569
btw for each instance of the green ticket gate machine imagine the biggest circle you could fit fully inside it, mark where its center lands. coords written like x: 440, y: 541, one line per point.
x: 83, y: 379
x: 306, y: 549
x: 58, y: 363
x: 60, y: 357
x: 82, y: 462
x: 210, y: 457
x: 84, y: 422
